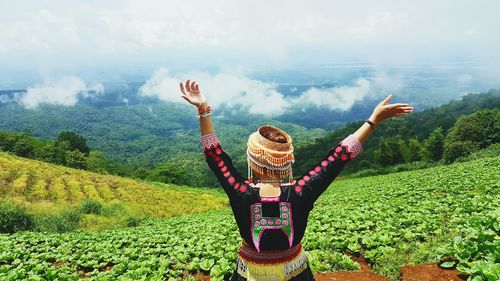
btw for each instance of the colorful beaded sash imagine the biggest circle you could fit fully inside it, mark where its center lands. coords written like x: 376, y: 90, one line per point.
x: 271, y: 265
x: 259, y: 223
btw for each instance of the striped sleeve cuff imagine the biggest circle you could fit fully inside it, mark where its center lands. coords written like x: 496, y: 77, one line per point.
x: 354, y: 147
x: 209, y: 141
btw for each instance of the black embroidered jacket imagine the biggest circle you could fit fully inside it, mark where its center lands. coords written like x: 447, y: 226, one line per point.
x: 275, y: 223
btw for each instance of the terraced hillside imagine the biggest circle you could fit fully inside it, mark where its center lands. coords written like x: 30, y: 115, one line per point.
x: 43, y: 186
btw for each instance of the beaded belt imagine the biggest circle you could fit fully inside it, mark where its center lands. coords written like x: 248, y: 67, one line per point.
x: 270, y: 265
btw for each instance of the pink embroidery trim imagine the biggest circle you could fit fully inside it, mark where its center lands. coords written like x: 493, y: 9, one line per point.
x: 269, y: 198
x: 354, y: 147
x: 209, y: 141
x: 290, y: 238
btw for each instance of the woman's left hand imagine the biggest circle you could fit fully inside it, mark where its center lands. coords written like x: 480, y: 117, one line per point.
x: 385, y: 111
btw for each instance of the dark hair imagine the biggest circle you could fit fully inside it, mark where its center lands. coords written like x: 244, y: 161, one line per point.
x: 274, y: 136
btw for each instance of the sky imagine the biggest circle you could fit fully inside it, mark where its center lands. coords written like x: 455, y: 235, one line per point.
x: 44, y: 43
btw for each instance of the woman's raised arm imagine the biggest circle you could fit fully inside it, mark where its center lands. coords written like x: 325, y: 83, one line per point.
x: 313, y: 183
x: 381, y: 112
x: 219, y: 162
x: 191, y: 93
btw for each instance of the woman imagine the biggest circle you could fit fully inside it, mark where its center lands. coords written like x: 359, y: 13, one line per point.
x: 270, y: 208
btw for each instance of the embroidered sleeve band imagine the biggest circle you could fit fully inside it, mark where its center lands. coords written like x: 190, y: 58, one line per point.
x: 209, y: 141
x: 354, y: 147
x: 222, y: 166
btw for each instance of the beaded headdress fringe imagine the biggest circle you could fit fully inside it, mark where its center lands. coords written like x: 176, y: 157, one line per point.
x: 269, y: 158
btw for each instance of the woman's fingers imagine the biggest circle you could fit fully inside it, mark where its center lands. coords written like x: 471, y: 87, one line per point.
x: 193, y: 87
x: 386, y: 100
x: 190, y: 88
x: 186, y: 98
x: 391, y: 106
x: 403, y: 108
x: 182, y: 88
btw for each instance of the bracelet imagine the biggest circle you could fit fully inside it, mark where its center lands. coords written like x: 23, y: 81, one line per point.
x: 371, y: 124
x: 206, y: 113
x: 207, y: 109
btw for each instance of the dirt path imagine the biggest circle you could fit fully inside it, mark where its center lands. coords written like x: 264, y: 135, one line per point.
x: 430, y: 272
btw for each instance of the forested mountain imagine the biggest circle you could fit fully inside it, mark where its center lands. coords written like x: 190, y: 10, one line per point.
x: 140, y: 135
x: 411, y: 131
x: 160, y: 141
x: 143, y: 136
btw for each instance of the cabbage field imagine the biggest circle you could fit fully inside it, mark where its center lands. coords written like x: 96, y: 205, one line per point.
x: 447, y: 214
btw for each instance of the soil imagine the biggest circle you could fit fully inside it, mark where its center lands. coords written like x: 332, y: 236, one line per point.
x: 430, y: 272
x: 364, y: 274
x: 202, y: 277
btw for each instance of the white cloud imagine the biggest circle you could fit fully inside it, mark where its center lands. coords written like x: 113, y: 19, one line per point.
x: 65, y: 91
x: 232, y: 90
x: 258, y: 97
x: 338, y: 98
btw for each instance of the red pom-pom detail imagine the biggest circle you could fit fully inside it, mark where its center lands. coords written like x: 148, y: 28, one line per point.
x: 227, y: 174
x: 344, y: 157
x: 220, y: 164
x: 301, y: 182
x: 338, y: 149
x: 247, y: 181
x: 231, y: 180
x: 218, y: 151
x: 237, y: 185
x: 317, y: 169
x: 306, y: 178
x: 324, y: 163
x: 312, y: 172
x: 285, y: 223
x: 223, y: 169
x: 243, y: 188
x: 298, y: 189
x: 217, y: 158
x: 331, y: 159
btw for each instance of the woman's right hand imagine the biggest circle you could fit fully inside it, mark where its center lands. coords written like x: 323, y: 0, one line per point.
x: 385, y: 111
x: 192, y: 94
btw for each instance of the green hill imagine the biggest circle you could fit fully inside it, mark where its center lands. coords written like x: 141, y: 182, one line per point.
x: 157, y: 139
x: 44, y: 187
x: 445, y: 213
x: 139, y: 135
